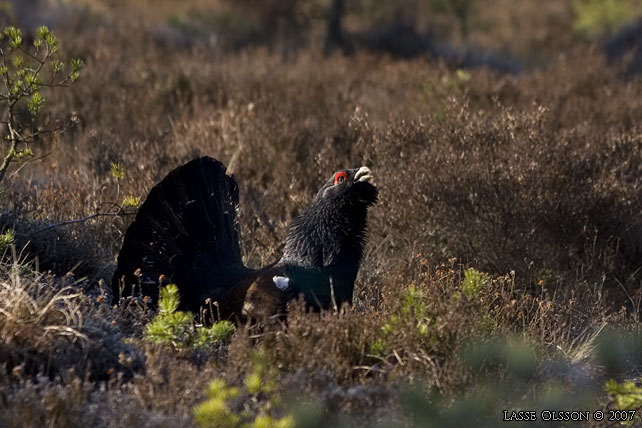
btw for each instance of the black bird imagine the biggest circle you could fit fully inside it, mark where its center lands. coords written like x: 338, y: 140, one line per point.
x: 186, y: 232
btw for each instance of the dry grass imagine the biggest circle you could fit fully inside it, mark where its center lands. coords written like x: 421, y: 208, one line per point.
x: 50, y: 326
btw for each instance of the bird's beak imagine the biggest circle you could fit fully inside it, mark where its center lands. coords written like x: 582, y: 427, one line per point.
x: 363, y: 174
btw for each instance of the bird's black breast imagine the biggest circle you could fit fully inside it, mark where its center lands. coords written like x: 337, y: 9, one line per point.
x: 324, y: 249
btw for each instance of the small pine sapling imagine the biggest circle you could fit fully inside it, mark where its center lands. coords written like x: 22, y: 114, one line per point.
x: 177, y: 328
x: 26, y: 72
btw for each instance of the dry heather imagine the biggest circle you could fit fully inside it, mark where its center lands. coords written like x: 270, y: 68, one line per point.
x: 49, y: 326
x: 533, y: 181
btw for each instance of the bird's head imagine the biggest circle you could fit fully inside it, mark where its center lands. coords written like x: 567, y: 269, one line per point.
x: 332, y: 229
x: 352, y: 185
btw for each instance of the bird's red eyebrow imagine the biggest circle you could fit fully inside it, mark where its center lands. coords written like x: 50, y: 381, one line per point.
x: 339, y: 175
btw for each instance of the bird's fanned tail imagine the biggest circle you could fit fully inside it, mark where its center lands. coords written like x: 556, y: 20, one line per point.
x: 186, y: 230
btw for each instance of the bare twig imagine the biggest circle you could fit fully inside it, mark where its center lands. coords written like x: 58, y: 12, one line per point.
x: 81, y: 220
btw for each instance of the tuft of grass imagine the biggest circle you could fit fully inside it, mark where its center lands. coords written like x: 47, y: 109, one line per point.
x: 131, y: 201
x: 36, y: 314
x: 48, y: 326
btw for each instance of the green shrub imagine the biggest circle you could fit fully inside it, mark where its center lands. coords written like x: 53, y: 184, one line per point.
x: 177, y: 328
x: 215, y: 412
x: 7, y: 239
x: 595, y: 18
x: 258, y: 395
x: 413, y: 311
x: 625, y: 395
x: 473, y: 282
x: 412, y: 307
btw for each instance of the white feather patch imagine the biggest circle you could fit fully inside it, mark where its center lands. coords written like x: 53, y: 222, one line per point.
x: 281, y: 282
